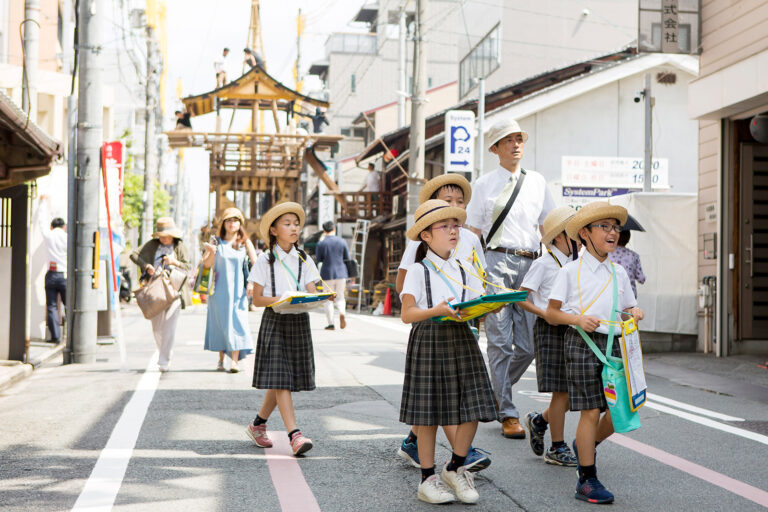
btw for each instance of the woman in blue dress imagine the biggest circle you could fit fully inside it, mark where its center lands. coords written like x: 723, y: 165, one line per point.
x: 227, y: 330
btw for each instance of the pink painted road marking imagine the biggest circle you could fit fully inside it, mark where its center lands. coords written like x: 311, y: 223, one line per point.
x: 292, y: 490
x: 747, y: 491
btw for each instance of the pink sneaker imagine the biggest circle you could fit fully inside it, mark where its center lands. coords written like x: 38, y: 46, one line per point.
x: 300, y: 444
x: 259, y: 435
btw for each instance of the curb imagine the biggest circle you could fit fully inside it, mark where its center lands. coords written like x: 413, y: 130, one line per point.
x: 47, y: 355
x: 12, y: 372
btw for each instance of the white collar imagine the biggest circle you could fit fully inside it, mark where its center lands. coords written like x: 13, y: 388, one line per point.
x: 561, y: 257
x: 440, y: 263
x: 282, y: 254
x: 594, y: 263
x: 507, y: 174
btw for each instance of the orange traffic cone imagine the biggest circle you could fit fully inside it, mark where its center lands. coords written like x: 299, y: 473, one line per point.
x: 387, y: 304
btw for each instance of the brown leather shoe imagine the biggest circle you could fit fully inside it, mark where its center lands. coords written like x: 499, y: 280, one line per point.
x: 512, y: 429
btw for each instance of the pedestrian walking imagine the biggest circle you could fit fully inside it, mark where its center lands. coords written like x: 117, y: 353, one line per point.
x: 166, y: 248
x: 581, y: 298
x: 55, y: 239
x: 508, y: 207
x: 446, y: 381
x: 548, y: 340
x: 628, y: 259
x: 456, y: 191
x: 285, y: 361
x: 331, y: 253
x: 226, y: 329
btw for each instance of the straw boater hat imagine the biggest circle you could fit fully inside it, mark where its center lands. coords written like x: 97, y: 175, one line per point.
x: 233, y: 213
x: 275, y: 212
x: 555, y: 222
x: 432, y: 211
x: 501, y: 129
x: 594, y: 211
x: 166, y: 227
x: 434, y: 184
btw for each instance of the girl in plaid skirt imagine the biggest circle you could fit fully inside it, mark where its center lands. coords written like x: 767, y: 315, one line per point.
x: 548, y: 340
x: 284, y: 357
x: 581, y: 296
x: 446, y: 381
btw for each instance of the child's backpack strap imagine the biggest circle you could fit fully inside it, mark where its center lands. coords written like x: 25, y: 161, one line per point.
x: 463, y: 281
x: 427, y: 284
x: 298, y: 281
x: 272, y: 276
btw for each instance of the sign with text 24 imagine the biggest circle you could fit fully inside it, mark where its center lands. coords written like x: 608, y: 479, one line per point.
x: 612, y: 172
x: 459, y: 141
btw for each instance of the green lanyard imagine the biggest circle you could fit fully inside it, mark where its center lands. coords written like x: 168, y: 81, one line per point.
x: 290, y: 272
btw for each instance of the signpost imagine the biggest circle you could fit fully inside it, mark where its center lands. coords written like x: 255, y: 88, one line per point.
x: 459, y: 141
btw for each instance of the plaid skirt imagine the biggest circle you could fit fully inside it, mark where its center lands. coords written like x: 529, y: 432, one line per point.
x: 446, y: 381
x: 548, y: 343
x: 585, y: 384
x: 284, y: 355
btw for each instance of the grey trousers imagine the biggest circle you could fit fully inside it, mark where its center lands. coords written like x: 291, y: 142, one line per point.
x: 510, y: 332
x: 164, y: 330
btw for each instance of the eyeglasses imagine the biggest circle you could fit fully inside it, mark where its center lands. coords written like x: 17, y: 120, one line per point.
x: 448, y: 227
x: 607, y: 227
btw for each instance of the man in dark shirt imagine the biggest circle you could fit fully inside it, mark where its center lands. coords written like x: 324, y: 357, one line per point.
x: 331, y: 252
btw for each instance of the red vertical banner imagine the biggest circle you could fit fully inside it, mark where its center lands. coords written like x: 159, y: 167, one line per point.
x: 112, y: 156
x: 108, y: 152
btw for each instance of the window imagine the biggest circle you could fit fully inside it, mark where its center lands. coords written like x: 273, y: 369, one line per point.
x: 352, y: 84
x: 481, y: 61
x: 354, y: 132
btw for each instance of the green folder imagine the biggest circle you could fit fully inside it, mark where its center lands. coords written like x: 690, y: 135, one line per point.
x: 482, y: 305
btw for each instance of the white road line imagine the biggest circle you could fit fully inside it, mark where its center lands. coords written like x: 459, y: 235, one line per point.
x: 710, y: 423
x: 692, y: 408
x: 101, y: 489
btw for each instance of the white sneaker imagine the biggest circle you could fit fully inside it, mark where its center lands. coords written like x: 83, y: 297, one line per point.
x: 462, y: 482
x: 432, y: 490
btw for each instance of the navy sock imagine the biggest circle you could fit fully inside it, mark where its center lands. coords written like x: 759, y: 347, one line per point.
x: 293, y: 433
x: 587, y: 472
x: 557, y: 444
x: 539, y: 422
x: 411, y: 437
x: 259, y: 420
x: 456, y: 462
x: 427, y: 472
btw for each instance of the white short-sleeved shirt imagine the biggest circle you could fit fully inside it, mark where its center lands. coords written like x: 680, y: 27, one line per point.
x: 373, y: 181
x: 415, y: 285
x: 594, y: 275
x: 467, y: 241
x: 520, y: 229
x: 260, y: 273
x: 541, y: 276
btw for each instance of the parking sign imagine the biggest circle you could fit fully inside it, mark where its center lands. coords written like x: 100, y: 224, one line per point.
x: 459, y: 141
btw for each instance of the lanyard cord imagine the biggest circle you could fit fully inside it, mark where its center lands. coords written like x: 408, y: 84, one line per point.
x: 440, y: 271
x: 326, y: 286
x: 578, y: 284
x: 288, y: 271
x: 486, y: 282
x: 298, y: 287
x: 555, y: 258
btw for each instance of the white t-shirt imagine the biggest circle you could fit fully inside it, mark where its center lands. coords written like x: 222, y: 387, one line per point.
x: 415, y: 285
x: 520, y: 229
x: 593, y: 278
x: 467, y: 242
x: 541, y: 276
x: 372, y: 181
x: 260, y: 273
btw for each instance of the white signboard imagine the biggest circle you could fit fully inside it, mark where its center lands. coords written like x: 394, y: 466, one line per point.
x: 459, y: 141
x: 612, y: 172
x: 326, y: 206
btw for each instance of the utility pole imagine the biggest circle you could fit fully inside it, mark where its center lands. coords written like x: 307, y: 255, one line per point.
x: 147, y: 217
x: 68, y: 31
x: 89, y: 135
x: 480, y: 146
x: 416, y: 157
x: 401, y: 67
x: 29, y: 83
x: 648, y: 165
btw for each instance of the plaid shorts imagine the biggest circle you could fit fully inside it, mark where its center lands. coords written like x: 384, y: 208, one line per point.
x: 446, y: 381
x: 284, y: 355
x: 548, y: 342
x: 585, y: 383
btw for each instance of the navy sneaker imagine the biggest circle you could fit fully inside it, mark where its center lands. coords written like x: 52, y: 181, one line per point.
x: 561, y: 456
x: 535, y: 436
x: 477, y: 459
x: 592, y: 491
x: 409, y: 452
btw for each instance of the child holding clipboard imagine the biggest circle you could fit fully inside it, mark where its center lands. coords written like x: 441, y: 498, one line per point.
x: 284, y: 360
x: 586, y: 295
x: 446, y: 381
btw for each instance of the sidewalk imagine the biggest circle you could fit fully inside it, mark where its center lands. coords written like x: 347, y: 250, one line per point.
x: 12, y: 372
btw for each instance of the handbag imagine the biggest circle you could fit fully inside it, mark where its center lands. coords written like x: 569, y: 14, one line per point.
x: 352, y: 271
x: 177, y: 276
x: 155, y: 297
x: 204, y: 282
x: 614, y: 377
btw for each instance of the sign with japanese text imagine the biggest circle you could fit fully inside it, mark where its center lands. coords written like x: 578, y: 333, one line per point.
x: 326, y: 203
x: 588, y: 178
x: 112, y: 156
x: 669, y: 27
x: 459, y: 141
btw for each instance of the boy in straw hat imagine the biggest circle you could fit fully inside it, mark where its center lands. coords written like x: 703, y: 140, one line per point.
x: 548, y: 339
x: 446, y: 381
x: 512, y: 244
x: 582, y: 296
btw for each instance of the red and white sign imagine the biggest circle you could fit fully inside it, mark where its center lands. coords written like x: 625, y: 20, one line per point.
x: 112, y: 158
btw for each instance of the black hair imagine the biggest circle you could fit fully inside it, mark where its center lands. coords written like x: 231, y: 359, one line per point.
x: 449, y: 186
x: 58, y: 222
x: 624, y: 237
x: 225, y: 49
x: 328, y: 226
x: 247, y: 50
x: 370, y: 165
x: 421, y: 251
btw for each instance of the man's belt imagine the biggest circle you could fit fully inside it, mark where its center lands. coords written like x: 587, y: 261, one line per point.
x: 517, y: 252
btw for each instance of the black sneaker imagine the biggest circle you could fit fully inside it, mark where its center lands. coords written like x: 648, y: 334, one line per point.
x: 535, y: 436
x: 561, y: 456
x: 330, y: 327
x: 592, y: 491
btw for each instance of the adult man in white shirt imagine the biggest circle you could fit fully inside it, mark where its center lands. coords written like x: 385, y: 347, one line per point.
x: 372, y: 181
x: 222, y: 73
x: 511, y: 248
x: 55, y: 239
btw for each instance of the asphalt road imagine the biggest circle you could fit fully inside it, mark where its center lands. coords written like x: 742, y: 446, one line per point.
x: 111, y: 432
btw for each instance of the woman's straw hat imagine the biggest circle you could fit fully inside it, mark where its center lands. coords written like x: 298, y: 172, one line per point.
x: 594, y: 211
x: 233, y: 213
x: 275, y: 212
x: 166, y: 227
x: 501, y: 129
x: 436, y: 183
x: 431, y: 211
x: 555, y: 223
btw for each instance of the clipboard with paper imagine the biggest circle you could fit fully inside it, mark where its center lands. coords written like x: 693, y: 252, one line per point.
x: 481, y: 306
x: 632, y: 354
x: 298, y: 302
